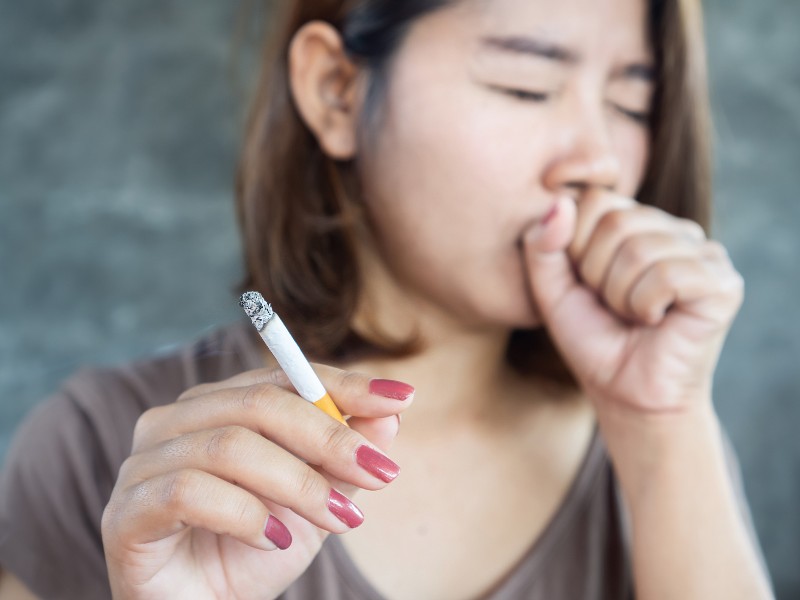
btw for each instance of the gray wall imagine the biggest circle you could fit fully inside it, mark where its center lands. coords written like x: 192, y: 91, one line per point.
x: 118, y: 133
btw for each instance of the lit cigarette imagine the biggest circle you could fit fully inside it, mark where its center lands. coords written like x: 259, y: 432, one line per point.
x: 287, y: 353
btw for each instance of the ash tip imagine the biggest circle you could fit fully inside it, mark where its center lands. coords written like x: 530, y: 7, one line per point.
x: 258, y: 309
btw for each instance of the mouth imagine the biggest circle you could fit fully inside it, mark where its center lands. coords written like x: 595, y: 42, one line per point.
x: 532, y: 222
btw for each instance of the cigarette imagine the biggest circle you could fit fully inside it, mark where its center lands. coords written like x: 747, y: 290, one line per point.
x: 288, y: 354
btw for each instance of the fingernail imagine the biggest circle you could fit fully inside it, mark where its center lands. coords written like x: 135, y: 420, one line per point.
x: 388, y: 388
x: 376, y: 464
x: 345, y: 510
x: 536, y: 232
x: 551, y: 214
x: 277, y: 533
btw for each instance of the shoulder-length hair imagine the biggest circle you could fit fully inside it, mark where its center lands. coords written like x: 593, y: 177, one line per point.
x: 298, y: 210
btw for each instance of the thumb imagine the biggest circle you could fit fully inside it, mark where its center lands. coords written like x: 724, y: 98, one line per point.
x: 550, y: 274
x: 380, y: 431
x: 575, y: 320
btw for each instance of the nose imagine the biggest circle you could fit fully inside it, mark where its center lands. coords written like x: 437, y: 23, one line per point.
x: 586, y: 160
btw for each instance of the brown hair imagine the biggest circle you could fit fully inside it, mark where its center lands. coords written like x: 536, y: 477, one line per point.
x: 298, y: 209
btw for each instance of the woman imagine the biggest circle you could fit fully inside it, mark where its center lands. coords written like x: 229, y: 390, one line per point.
x: 437, y: 193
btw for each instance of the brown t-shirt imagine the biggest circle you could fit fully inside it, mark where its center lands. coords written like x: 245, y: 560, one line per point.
x: 64, y: 461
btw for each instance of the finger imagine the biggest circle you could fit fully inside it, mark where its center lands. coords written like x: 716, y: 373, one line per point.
x: 633, y: 258
x: 258, y: 406
x: 593, y: 206
x: 242, y: 457
x: 160, y: 507
x: 283, y: 418
x: 557, y: 293
x: 549, y: 269
x: 707, y: 288
x: 617, y: 226
x: 272, y: 376
x: 381, y: 432
x: 354, y: 393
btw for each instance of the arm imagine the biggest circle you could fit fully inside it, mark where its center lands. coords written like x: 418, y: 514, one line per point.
x: 12, y: 588
x: 639, y: 303
x: 689, y: 536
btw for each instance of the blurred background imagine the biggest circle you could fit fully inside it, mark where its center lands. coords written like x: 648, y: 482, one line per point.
x: 119, y: 126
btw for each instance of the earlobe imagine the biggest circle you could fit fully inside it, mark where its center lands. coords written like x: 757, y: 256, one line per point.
x: 325, y: 86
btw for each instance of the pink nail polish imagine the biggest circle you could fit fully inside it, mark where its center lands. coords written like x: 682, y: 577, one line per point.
x: 377, y: 464
x: 344, y: 509
x: 277, y: 533
x: 388, y: 388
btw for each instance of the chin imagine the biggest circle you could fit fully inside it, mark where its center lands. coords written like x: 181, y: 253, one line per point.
x: 511, y: 309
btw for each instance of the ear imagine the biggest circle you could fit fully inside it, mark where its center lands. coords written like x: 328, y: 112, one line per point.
x: 326, y: 88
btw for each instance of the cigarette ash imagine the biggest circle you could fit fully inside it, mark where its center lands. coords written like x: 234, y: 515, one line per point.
x: 259, y: 311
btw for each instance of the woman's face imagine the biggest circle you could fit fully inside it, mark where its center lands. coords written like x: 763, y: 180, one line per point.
x: 493, y: 109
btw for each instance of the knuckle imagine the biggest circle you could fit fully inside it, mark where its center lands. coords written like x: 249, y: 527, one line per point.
x: 352, y: 381
x: 222, y: 442
x: 716, y: 249
x: 737, y: 286
x: 109, y: 520
x: 613, y: 221
x: 178, y: 489
x: 277, y: 377
x: 664, y: 274
x: 253, y: 399
x: 634, y: 251
x: 309, y: 483
x: 127, y: 469
x: 694, y: 229
x: 145, y: 424
x: 192, y: 392
x: 336, y: 440
x: 245, y: 512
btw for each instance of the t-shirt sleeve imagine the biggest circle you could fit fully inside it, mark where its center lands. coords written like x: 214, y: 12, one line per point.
x: 53, y: 489
x: 63, y: 462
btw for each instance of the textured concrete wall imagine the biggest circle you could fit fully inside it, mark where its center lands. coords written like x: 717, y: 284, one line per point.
x: 118, y: 132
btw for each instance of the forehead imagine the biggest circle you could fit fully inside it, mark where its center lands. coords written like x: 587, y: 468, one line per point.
x: 593, y: 27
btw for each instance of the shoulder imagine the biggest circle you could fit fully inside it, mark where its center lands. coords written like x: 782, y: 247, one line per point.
x: 63, y: 461
x: 96, y: 408
x: 99, y: 406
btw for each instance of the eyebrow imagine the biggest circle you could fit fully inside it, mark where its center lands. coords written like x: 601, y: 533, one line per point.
x: 527, y: 45
x: 543, y: 49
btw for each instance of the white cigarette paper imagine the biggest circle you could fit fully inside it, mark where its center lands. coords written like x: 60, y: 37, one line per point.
x: 287, y: 352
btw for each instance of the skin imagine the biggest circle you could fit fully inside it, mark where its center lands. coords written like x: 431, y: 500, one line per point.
x: 521, y: 209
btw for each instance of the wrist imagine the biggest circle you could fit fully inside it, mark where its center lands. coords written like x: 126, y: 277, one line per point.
x: 656, y: 450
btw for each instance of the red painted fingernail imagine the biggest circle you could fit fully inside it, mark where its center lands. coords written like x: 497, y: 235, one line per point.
x: 389, y: 388
x: 376, y: 464
x: 277, y: 533
x: 345, y: 510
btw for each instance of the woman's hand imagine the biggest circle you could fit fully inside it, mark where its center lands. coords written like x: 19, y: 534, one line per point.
x: 637, y: 301
x: 234, y: 470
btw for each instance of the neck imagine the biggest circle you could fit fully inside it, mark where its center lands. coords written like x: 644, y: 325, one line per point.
x: 456, y: 379
x: 458, y: 369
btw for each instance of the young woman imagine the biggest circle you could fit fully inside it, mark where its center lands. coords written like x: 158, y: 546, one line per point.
x: 497, y: 202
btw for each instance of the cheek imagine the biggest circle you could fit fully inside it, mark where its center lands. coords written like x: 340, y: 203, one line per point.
x: 448, y: 190
x: 443, y: 167
x: 632, y: 146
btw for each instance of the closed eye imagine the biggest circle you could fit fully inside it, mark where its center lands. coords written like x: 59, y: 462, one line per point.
x: 642, y: 118
x: 525, y: 95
